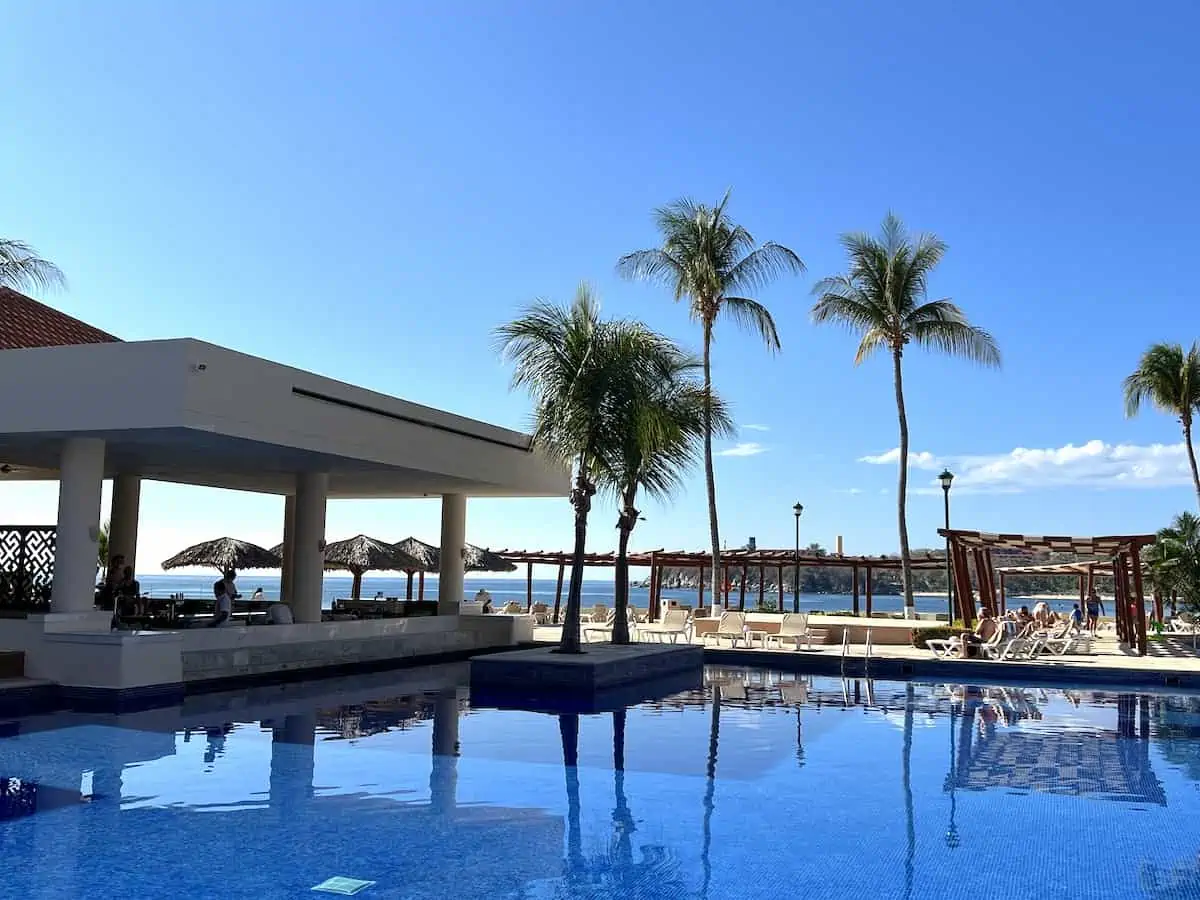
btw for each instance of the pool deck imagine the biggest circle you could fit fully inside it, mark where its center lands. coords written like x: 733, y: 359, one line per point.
x: 1172, y: 661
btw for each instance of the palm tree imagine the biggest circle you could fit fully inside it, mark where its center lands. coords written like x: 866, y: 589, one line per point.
x: 578, y: 369
x: 657, y: 433
x: 712, y: 261
x: 1174, y: 560
x: 23, y: 269
x: 102, y: 559
x: 1169, y: 378
x: 883, y: 297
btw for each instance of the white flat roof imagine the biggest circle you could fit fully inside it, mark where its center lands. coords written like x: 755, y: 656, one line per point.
x: 191, y: 412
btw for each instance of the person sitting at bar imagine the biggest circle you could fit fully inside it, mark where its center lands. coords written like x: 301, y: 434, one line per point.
x: 128, y: 593
x: 225, y: 592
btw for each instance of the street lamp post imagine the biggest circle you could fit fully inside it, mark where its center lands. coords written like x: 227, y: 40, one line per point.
x: 946, y: 478
x: 797, y: 509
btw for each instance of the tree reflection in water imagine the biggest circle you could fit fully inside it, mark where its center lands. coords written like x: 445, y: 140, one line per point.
x: 614, y: 871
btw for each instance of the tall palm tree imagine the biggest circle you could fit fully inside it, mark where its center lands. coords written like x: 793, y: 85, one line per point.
x: 1169, y: 378
x: 883, y: 297
x: 712, y: 261
x: 657, y: 433
x: 21, y: 268
x: 578, y: 368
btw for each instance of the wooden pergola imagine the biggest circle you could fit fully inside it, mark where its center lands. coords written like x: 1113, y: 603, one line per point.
x: 742, y: 561
x: 1115, y: 556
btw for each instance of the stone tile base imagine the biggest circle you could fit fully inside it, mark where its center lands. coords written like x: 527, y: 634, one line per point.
x: 606, y: 676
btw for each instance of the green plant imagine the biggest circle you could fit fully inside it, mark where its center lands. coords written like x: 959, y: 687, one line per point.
x: 658, y: 424
x: 920, y: 636
x: 712, y: 261
x: 1174, y: 561
x: 578, y: 368
x: 1169, y: 378
x: 22, y: 268
x: 883, y: 297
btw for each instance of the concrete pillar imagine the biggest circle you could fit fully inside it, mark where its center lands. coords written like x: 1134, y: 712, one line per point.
x: 81, y: 476
x: 123, y: 522
x: 454, y: 536
x: 312, y: 490
x: 289, y: 548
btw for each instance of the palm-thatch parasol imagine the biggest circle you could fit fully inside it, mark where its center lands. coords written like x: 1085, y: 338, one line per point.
x: 225, y: 553
x: 475, y: 559
x: 361, y: 554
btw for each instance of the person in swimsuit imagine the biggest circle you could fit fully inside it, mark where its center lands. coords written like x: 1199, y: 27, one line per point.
x: 1095, y: 609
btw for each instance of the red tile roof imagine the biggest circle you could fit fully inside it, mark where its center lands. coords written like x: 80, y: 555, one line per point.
x: 26, y: 323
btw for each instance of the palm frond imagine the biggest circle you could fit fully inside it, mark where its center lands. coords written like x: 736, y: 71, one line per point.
x: 872, y: 341
x: 761, y: 266
x: 957, y: 338
x: 754, y: 317
x: 1168, y: 377
x: 21, y: 268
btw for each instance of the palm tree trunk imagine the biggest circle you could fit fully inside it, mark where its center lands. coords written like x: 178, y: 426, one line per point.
x: 1191, y: 452
x: 709, y: 478
x: 581, y: 500
x: 625, y: 522
x: 902, y: 490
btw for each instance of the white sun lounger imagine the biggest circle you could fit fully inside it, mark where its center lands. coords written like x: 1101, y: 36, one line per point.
x: 793, y: 627
x: 675, y: 623
x: 732, y: 626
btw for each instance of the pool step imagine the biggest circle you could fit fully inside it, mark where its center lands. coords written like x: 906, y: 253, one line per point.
x: 12, y: 664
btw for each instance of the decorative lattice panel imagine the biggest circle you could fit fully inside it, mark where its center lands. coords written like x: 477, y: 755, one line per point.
x: 26, y: 566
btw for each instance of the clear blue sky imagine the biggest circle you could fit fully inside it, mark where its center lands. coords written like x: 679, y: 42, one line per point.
x: 368, y: 191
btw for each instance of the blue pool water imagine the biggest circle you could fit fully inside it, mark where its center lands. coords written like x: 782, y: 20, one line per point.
x: 788, y: 786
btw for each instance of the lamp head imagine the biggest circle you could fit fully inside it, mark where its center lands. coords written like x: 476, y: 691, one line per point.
x: 945, y: 478
x: 797, y: 509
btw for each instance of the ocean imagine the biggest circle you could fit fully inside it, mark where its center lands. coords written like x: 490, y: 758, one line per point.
x: 505, y: 589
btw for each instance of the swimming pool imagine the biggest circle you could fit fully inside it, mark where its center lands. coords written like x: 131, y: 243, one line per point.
x: 789, y: 785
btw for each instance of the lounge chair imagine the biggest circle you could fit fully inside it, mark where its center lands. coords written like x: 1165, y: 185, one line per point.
x: 675, y: 623
x: 600, y: 613
x: 541, y: 614
x: 793, y: 692
x: 731, y: 626
x: 794, y: 628
x: 606, y: 629
x: 1068, y: 642
x: 512, y: 608
x: 949, y: 648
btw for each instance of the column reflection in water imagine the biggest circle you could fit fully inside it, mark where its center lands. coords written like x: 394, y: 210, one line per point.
x: 292, y: 761
x: 443, y: 777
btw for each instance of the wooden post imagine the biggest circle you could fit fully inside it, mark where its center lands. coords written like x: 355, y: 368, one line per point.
x: 762, y: 585
x: 558, y: 591
x: 725, y: 586
x: 1119, y: 597
x: 528, y: 587
x: 421, y: 585
x: 779, y: 609
x: 652, y: 603
x: 854, y: 577
x: 700, y: 591
x: 1003, y: 595
x: 1139, y: 600
x: 962, y: 585
x: 869, y: 589
x: 742, y: 591
x: 408, y: 593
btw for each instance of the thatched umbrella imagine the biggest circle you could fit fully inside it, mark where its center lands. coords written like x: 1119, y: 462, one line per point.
x: 361, y: 554
x: 225, y: 553
x: 475, y: 559
x: 429, y: 557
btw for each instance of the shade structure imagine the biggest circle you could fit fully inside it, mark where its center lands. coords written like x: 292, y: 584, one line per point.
x: 225, y: 553
x: 478, y: 559
x: 361, y: 554
x: 429, y: 557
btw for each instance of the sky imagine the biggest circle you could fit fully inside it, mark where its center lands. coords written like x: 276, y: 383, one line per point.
x: 368, y: 194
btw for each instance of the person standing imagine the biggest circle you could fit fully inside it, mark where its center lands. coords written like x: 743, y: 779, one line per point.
x: 225, y: 592
x: 1095, y: 609
x: 1076, y: 618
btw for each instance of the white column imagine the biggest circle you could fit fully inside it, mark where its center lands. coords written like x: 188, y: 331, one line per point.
x: 289, y: 547
x: 123, y: 522
x: 312, y: 490
x: 81, y: 476
x: 450, y: 571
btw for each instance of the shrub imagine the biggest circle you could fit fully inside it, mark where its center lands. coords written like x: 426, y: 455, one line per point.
x: 921, y: 635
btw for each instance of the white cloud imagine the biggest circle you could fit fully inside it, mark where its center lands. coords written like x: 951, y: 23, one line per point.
x: 756, y: 428
x: 848, y: 491
x: 922, y: 460
x: 744, y: 448
x: 1093, y: 464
